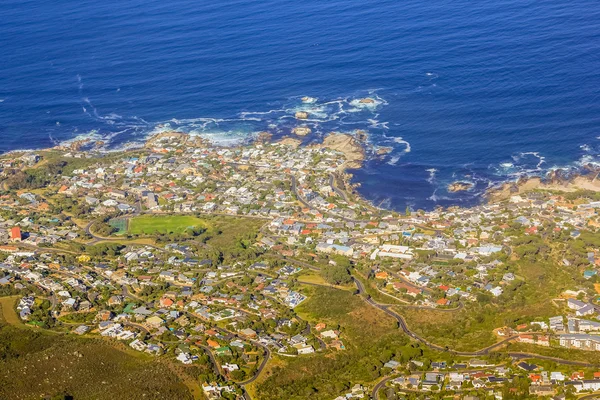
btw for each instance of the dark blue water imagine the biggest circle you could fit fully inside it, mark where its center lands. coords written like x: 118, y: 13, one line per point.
x: 481, y: 91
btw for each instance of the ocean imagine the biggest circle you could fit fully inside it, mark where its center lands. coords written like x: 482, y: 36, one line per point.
x: 482, y: 92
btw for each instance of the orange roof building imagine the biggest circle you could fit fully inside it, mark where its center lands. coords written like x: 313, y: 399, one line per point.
x: 15, y: 234
x: 381, y: 275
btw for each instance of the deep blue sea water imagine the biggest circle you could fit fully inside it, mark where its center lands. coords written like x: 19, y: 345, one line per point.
x: 480, y: 91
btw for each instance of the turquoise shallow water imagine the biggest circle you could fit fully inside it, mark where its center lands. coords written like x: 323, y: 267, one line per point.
x: 478, y: 91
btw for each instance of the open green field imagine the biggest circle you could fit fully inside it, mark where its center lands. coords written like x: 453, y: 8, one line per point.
x: 149, y: 224
x: 312, y: 277
x: 8, y: 313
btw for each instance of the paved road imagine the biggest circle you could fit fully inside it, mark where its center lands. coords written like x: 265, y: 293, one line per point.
x: 88, y: 231
x: 213, y: 360
x: 312, y: 267
x: 402, y: 325
x: 482, y: 352
x: 340, y: 192
x: 306, y: 204
x: 590, y: 396
x: 266, y: 352
x: 134, y: 325
x: 266, y: 357
x: 298, y: 262
x: 381, y: 384
x: 38, y: 249
x: 406, y: 281
x: 126, y: 293
x: 522, y: 356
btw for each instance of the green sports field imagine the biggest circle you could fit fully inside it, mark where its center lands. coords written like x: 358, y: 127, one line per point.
x: 149, y: 224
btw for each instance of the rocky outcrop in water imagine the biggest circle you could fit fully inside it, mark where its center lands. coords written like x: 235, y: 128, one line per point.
x: 459, y: 186
x: 384, y: 150
x: 361, y: 135
x: 308, y: 100
x: 301, y: 115
x: 301, y: 130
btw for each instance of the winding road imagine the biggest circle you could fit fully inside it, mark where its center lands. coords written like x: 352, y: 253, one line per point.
x: 482, y: 352
x: 339, y: 191
x: 386, y: 308
x: 404, y: 327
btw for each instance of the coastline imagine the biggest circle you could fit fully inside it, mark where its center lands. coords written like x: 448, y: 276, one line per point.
x: 355, y: 148
x: 346, y: 144
x: 577, y: 182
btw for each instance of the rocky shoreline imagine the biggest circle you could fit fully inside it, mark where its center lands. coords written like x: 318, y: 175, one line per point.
x: 459, y: 186
x: 355, y: 148
x: 348, y: 145
x: 589, y: 180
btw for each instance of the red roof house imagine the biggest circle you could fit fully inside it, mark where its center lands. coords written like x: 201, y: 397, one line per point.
x: 15, y: 234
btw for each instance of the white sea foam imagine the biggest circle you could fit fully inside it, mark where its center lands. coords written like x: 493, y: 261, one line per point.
x: 386, y: 203
x: 396, y: 157
x: 91, y: 136
x: 224, y: 138
x: 54, y: 141
x: 588, y: 160
x: 324, y: 116
x: 399, y: 140
x: 541, y: 159
x: 393, y: 160
x: 436, y: 198
x: 433, y: 196
x: 244, y: 114
x: 356, y: 103
x: 585, y: 147
x: 432, y: 172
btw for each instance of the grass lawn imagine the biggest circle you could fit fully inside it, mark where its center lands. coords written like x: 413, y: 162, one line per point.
x: 315, y: 278
x: 9, y: 315
x: 149, y: 224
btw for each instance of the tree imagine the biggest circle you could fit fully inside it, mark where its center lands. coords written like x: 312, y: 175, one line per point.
x: 336, y: 274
